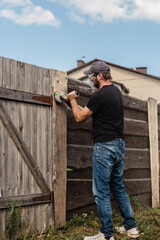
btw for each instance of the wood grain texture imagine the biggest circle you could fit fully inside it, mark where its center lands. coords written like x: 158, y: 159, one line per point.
x: 80, y: 191
x: 11, y: 94
x: 136, y: 142
x: 26, y: 200
x: 132, y: 127
x: 1, y: 79
x: 33, y: 124
x: 80, y: 157
x: 134, y: 114
x: 134, y: 103
x: 12, y: 131
x: 59, y: 124
x: 154, y: 153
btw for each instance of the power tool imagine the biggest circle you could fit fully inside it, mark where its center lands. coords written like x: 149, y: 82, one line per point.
x: 63, y: 97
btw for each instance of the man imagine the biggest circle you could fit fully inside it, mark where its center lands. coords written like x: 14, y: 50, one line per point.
x: 107, y: 110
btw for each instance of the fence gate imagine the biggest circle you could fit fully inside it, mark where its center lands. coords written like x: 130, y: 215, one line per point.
x: 30, y: 140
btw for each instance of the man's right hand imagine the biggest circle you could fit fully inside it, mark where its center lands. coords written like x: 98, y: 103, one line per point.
x: 72, y: 95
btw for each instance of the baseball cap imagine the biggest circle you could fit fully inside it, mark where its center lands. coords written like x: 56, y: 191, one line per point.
x: 98, y: 67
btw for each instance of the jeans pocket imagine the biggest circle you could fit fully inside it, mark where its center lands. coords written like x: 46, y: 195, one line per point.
x: 106, y: 159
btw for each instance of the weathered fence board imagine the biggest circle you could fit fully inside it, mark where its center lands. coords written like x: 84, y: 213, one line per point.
x: 80, y: 190
x: 59, y: 151
x: 80, y: 157
x: 136, y: 142
x: 22, y: 86
x: 27, y: 200
x: 27, y: 97
x: 20, y: 144
x: 154, y: 155
x: 134, y: 114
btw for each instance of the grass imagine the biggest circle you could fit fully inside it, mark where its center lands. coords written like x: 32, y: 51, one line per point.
x: 13, y: 219
x: 88, y: 225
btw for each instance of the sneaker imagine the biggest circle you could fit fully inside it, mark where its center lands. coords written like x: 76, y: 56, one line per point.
x: 99, y: 236
x: 133, y: 232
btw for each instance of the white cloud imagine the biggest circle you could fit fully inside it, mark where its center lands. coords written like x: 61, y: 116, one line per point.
x: 15, y: 3
x: 108, y: 10
x: 28, y: 14
x: 76, y: 18
x: 81, y: 11
x: 146, y: 9
x: 101, y: 10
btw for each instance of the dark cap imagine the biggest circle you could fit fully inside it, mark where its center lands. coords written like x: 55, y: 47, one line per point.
x: 98, y: 67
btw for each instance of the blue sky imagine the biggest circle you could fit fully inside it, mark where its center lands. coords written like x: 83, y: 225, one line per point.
x: 56, y: 33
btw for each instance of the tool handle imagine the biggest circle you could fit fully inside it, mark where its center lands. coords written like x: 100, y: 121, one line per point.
x: 67, y: 100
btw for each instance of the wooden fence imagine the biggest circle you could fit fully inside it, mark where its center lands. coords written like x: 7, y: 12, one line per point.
x: 32, y: 131
x: 141, y: 162
x: 39, y: 139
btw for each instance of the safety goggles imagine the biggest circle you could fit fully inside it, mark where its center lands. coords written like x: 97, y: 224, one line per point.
x: 93, y: 75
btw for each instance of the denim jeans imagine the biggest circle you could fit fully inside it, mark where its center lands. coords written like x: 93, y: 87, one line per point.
x: 108, y: 175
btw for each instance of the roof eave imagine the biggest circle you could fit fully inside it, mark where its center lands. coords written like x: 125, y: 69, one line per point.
x: 111, y: 64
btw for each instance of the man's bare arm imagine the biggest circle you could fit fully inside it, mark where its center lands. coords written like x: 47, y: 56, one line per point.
x: 80, y: 113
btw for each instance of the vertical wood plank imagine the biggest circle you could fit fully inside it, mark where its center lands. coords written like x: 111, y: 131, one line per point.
x: 47, y: 141
x: 1, y: 79
x: 12, y: 149
x: 6, y: 71
x: 20, y: 114
x: 27, y: 137
x: 40, y: 146
x: 154, y: 155
x: 5, y: 178
x: 2, y: 178
x: 59, y: 122
x: 27, y: 121
x: 31, y: 79
x: 6, y: 76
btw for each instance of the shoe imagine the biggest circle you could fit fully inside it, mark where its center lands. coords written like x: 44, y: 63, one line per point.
x: 133, y: 232
x: 99, y: 236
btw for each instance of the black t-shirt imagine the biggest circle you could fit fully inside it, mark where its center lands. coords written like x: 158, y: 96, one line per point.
x: 108, y: 113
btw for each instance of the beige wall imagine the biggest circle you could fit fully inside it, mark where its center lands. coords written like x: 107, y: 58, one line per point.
x: 140, y: 86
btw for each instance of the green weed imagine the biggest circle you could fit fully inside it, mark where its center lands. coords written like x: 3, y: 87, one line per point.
x: 13, y: 220
x: 88, y: 225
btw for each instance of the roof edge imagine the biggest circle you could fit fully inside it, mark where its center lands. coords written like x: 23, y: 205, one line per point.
x: 112, y: 64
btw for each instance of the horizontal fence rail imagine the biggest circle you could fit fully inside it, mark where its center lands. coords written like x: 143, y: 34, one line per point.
x: 30, y: 137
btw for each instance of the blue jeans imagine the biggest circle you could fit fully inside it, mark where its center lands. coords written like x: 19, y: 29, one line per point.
x: 108, y: 175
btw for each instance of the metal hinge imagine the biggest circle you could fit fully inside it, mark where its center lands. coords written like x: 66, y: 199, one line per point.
x: 45, y: 197
x: 44, y: 99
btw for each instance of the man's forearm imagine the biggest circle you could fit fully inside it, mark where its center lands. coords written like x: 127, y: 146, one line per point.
x: 75, y: 108
x: 80, y: 113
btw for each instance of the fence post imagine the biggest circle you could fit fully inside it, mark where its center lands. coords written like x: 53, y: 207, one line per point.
x: 154, y: 154
x: 59, y: 133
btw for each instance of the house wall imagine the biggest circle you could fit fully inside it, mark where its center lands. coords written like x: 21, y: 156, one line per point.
x: 140, y: 86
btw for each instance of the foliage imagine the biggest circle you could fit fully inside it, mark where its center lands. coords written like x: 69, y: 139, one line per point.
x: 88, y: 225
x: 13, y: 219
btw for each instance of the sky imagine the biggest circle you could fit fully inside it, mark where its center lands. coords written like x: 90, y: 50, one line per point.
x: 56, y: 33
